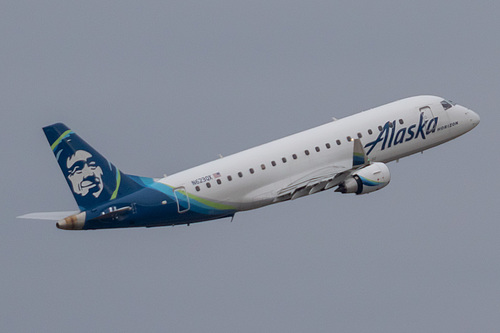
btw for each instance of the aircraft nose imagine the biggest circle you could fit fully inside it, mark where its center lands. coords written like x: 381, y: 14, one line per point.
x: 473, y: 117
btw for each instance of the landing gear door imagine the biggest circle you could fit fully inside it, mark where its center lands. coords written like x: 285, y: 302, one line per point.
x: 182, y: 199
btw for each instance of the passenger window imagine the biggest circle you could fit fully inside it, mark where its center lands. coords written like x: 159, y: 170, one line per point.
x: 294, y: 156
x: 380, y: 128
x: 273, y: 163
x: 240, y: 174
x: 360, y: 135
x: 370, y: 132
x: 219, y: 181
x: 251, y: 170
x: 229, y: 178
x: 327, y: 145
x: 263, y: 166
x: 338, y: 142
x: 349, y: 139
x: 197, y: 189
x: 283, y: 159
x: 306, y: 152
x: 317, y: 149
x: 208, y: 185
x: 401, y: 121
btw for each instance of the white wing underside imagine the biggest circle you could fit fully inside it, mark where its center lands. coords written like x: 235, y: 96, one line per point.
x: 325, y: 178
x: 319, y: 180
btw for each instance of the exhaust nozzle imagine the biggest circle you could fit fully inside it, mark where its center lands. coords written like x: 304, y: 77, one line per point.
x: 73, y: 222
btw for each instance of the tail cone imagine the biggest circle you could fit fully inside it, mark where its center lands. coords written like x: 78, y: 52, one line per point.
x: 73, y: 222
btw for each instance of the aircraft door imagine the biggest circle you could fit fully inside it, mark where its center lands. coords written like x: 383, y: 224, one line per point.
x: 182, y: 199
x: 427, y: 112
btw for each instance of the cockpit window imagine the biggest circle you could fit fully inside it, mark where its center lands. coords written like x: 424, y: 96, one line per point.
x: 447, y: 104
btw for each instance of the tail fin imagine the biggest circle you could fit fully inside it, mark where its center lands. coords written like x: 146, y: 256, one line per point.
x: 92, y: 179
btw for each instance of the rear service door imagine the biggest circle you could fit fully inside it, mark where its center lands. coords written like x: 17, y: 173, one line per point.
x: 182, y: 199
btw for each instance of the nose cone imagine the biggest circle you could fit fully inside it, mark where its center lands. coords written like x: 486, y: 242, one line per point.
x: 473, y: 117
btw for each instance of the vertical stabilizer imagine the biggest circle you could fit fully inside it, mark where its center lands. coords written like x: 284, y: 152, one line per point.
x: 93, y: 180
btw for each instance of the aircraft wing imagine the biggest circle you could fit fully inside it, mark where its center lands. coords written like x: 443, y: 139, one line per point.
x: 319, y: 180
x: 325, y: 178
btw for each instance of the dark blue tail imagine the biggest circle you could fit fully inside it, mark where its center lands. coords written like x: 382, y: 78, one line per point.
x: 91, y: 177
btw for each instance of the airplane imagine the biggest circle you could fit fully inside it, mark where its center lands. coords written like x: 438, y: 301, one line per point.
x: 349, y: 154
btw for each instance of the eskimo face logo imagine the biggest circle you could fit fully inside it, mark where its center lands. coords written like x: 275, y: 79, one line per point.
x: 84, y: 174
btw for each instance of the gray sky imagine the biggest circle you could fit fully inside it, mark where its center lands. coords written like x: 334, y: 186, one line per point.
x: 160, y: 86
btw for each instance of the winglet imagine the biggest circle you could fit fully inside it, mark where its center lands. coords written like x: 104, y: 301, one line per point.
x: 359, y: 157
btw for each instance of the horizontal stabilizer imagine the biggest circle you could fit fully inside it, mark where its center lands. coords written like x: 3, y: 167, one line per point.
x: 54, y: 216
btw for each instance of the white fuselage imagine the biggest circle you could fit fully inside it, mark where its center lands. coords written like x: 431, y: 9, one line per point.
x: 258, y: 176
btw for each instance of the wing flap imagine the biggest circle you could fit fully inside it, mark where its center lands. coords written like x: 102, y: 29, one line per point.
x: 325, y: 178
x: 311, y: 183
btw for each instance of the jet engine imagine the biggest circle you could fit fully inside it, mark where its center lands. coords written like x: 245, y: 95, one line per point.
x: 368, y: 179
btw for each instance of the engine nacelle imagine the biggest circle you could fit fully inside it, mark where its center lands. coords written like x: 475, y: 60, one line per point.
x: 365, y: 180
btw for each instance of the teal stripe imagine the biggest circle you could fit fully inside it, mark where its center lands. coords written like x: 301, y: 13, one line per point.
x: 358, y: 159
x: 369, y: 182
x: 198, y: 204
